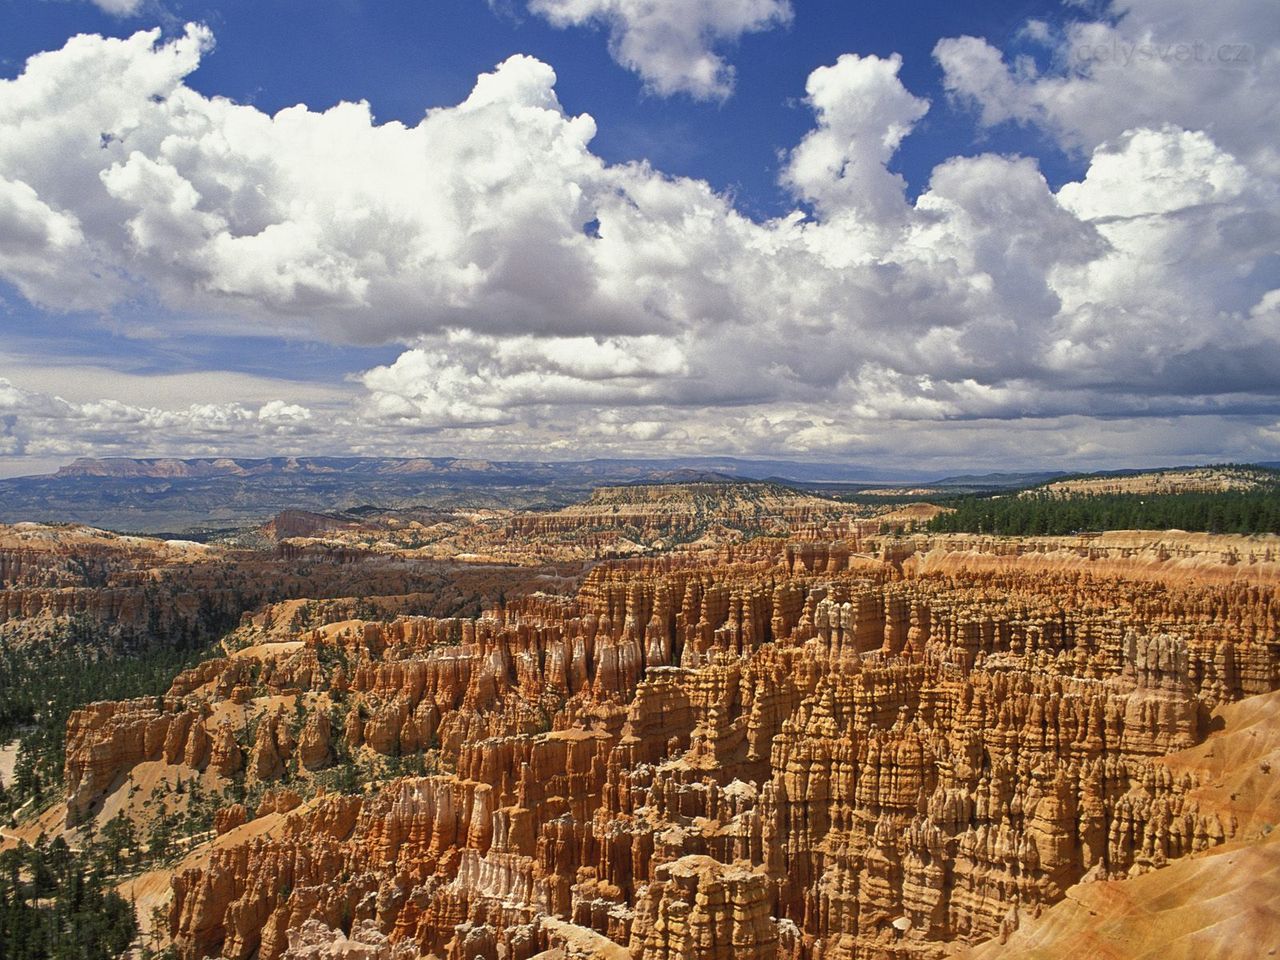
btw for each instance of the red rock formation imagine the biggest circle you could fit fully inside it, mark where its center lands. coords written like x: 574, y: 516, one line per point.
x: 700, y: 908
x: 759, y: 750
x: 106, y: 740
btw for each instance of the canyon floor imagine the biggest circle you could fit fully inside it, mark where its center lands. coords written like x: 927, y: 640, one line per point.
x: 676, y: 721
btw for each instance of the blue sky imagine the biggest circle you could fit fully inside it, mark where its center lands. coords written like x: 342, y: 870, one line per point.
x: 937, y: 234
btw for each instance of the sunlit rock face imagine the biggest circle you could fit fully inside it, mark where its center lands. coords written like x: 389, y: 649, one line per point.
x: 766, y: 749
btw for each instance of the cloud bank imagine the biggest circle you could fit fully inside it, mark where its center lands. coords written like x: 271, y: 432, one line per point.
x: 549, y: 302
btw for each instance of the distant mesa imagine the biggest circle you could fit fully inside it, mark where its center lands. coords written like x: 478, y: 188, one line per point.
x: 1188, y: 480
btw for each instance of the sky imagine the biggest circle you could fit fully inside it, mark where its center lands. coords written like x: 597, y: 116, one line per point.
x: 925, y: 235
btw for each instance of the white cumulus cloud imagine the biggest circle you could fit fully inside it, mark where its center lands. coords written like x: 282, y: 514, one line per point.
x: 39, y: 425
x: 119, y: 8
x: 863, y: 113
x: 672, y: 44
x: 1144, y: 63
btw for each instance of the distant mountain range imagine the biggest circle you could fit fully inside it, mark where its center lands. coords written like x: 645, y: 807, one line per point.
x: 167, y: 495
x: 195, y: 496
x: 517, y: 470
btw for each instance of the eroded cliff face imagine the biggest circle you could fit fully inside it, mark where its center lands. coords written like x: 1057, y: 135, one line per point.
x: 770, y: 750
x: 66, y: 585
